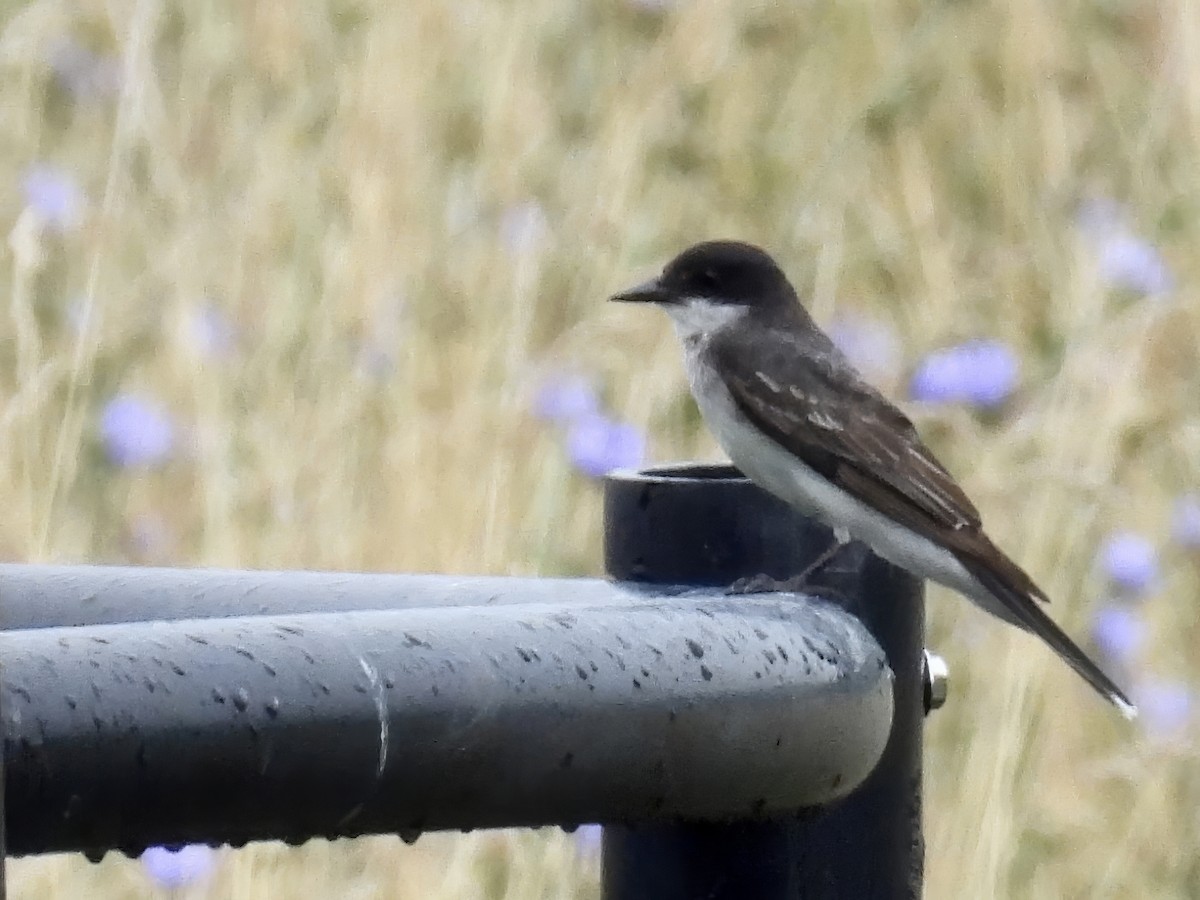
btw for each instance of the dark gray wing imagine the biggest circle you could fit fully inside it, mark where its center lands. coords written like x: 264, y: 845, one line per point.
x: 809, y: 399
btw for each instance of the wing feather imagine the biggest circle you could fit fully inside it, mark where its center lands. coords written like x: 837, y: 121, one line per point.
x: 811, y: 401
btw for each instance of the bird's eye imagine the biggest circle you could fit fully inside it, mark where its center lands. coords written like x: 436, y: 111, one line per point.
x: 708, y: 278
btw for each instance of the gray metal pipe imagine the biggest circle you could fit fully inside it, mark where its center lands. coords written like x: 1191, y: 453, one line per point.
x: 611, y: 709
x: 47, y: 596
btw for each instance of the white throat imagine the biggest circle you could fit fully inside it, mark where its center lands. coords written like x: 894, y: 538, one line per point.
x: 697, y: 318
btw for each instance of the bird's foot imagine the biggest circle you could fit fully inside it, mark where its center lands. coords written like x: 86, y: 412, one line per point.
x: 765, y: 584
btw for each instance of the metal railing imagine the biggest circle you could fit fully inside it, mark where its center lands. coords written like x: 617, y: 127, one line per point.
x: 764, y: 745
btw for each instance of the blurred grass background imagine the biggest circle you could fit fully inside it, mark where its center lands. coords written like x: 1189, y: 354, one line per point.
x: 336, y: 246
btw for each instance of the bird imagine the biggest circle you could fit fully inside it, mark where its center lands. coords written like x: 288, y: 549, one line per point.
x: 797, y: 418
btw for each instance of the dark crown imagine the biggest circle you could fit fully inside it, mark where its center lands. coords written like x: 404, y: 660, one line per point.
x: 727, y: 272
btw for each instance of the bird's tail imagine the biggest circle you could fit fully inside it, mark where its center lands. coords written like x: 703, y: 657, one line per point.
x: 1027, y: 613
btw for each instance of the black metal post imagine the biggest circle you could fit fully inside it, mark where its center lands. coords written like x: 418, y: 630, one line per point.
x: 706, y: 525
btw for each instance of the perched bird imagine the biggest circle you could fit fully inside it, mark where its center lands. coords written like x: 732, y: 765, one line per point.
x: 797, y: 419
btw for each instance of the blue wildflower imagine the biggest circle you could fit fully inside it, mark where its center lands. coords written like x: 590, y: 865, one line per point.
x: 1129, y: 561
x: 981, y: 373
x: 564, y: 399
x: 209, y: 331
x: 83, y: 74
x: 54, y: 196
x: 598, y: 444
x: 870, y: 345
x: 1132, y: 264
x: 1165, y: 707
x: 173, y: 869
x: 378, y: 348
x: 588, y: 839
x: 1185, y: 521
x: 1125, y: 260
x: 523, y: 227
x: 135, y: 432
x: 1119, y: 633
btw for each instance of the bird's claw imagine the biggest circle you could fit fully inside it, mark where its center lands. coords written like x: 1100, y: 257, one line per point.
x: 765, y: 584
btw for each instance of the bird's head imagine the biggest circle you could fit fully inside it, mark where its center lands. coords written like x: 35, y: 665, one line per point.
x: 714, y: 283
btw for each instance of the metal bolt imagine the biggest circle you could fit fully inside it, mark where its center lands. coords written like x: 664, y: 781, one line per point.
x: 937, y: 681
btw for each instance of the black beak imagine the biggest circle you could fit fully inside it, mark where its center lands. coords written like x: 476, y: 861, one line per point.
x: 646, y: 292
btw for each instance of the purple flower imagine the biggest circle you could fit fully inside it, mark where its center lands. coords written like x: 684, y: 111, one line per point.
x: 587, y: 840
x: 178, y: 868
x: 209, y: 331
x: 1130, y: 561
x: 135, y: 432
x: 1126, y: 261
x: 53, y: 195
x: 1119, y: 633
x: 1185, y: 521
x: 82, y: 73
x: 1132, y: 264
x: 1165, y: 707
x: 870, y: 345
x: 377, y: 350
x: 982, y: 373
x: 523, y: 227
x: 564, y: 399
x: 597, y: 445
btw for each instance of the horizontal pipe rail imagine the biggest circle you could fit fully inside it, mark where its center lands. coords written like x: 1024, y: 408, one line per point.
x: 615, y: 706
x: 49, y: 596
